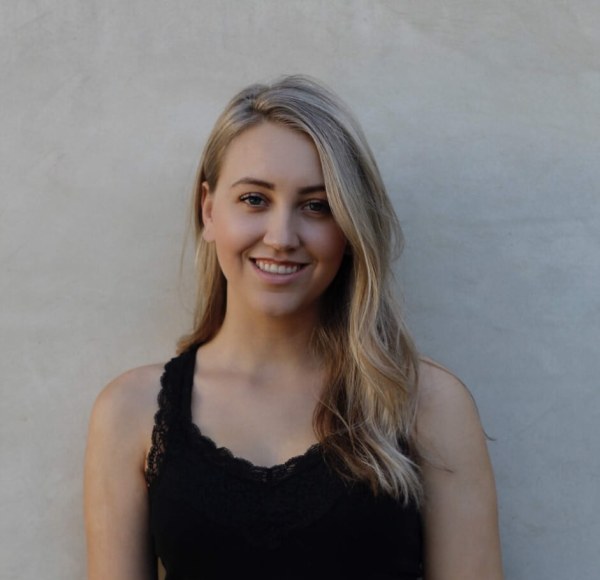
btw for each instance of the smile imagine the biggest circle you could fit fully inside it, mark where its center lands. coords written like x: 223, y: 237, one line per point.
x: 277, y: 268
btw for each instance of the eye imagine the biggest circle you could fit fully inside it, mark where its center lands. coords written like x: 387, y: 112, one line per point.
x: 318, y: 206
x: 252, y: 199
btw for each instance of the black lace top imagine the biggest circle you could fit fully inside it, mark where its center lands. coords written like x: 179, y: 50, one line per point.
x: 213, y: 515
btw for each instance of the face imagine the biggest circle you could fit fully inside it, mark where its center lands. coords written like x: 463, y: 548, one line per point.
x: 277, y: 243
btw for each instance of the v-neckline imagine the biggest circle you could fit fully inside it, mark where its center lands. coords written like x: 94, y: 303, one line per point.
x: 223, y: 455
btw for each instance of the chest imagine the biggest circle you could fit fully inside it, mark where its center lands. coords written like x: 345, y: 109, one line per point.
x: 214, y: 516
x: 264, y: 423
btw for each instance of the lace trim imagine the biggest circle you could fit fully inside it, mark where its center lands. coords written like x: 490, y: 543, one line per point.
x: 168, y: 415
x: 224, y: 457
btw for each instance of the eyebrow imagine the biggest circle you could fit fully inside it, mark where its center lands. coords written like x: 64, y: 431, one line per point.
x: 268, y: 185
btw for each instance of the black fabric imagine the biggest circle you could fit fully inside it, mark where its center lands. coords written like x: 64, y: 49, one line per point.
x: 213, y: 515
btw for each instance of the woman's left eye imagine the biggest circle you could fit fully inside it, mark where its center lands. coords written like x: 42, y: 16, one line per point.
x: 318, y: 206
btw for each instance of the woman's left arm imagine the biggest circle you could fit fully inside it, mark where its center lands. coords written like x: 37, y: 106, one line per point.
x: 460, y: 510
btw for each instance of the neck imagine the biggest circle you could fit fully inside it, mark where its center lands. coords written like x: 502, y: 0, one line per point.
x: 263, y: 344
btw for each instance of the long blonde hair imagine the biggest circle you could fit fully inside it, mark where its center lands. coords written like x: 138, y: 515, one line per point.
x: 365, y: 418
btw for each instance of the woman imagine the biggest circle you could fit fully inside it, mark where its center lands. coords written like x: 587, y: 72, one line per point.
x: 297, y: 434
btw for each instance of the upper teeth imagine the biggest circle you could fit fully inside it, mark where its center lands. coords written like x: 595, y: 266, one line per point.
x: 273, y: 268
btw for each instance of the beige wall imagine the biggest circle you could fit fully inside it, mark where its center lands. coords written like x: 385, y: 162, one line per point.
x: 485, y: 118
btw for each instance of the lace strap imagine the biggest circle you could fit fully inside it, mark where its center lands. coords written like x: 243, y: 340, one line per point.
x: 168, y: 420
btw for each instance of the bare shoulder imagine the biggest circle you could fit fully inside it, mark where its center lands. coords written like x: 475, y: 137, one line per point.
x: 460, y: 509
x: 447, y: 416
x: 132, y: 387
x: 437, y: 384
x: 126, y: 406
x: 115, y: 490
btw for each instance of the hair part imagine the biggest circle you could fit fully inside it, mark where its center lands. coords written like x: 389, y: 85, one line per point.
x: 366, y: 417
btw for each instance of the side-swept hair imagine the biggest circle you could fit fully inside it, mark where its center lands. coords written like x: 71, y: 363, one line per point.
x: 365, y: 418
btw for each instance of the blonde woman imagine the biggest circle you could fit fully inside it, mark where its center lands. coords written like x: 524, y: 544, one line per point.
x: 297, y: 434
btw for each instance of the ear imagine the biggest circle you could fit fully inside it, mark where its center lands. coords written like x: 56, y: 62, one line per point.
x: 207, y: 219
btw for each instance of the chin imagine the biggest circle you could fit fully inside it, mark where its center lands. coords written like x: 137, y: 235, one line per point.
x: 272, y: 309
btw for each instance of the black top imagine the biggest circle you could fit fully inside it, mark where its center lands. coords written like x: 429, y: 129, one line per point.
x: 213, y: 515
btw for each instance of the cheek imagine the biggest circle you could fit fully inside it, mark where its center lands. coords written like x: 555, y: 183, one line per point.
x: 334, y: 244
x: 232, y: 236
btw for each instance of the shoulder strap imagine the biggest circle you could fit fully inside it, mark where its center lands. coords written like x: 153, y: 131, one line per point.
x: 173, y: 410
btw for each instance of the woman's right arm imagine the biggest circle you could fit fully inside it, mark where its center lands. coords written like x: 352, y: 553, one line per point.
x: 115, y: 492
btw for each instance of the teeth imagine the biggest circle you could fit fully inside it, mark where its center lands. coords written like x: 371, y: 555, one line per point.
x: 273, y: 268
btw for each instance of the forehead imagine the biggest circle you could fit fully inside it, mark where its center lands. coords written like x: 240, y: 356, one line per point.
x: 274, y: 153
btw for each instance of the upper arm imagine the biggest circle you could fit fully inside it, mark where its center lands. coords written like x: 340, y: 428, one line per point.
x: 115, y: 494
x: 460, y: 511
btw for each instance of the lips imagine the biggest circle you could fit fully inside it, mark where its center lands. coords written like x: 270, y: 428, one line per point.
x: 276, y: 267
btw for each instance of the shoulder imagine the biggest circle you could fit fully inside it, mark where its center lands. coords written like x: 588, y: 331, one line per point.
x: 448, y: 427
x: 125, y: 407
x: 115, y: 489
x: 460, y: 510
x: 131, y: 391
x: 441, y: 394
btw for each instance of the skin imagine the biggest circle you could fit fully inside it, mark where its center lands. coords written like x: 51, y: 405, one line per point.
x: 256, y: 382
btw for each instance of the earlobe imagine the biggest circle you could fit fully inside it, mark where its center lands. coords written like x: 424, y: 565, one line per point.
x: 207, y: 219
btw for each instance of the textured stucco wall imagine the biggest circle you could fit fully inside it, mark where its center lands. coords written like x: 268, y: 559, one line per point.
x: 485, y: 118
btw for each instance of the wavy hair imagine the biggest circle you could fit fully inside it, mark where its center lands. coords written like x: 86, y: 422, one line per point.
x: 365, y: 418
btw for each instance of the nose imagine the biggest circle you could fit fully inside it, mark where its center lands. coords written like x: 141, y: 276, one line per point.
x: 282, y: 231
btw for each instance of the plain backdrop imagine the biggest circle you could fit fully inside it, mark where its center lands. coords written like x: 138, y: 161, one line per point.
x: 485, y: 120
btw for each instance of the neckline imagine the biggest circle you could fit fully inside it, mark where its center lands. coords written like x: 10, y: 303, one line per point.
x: 223, y: 456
